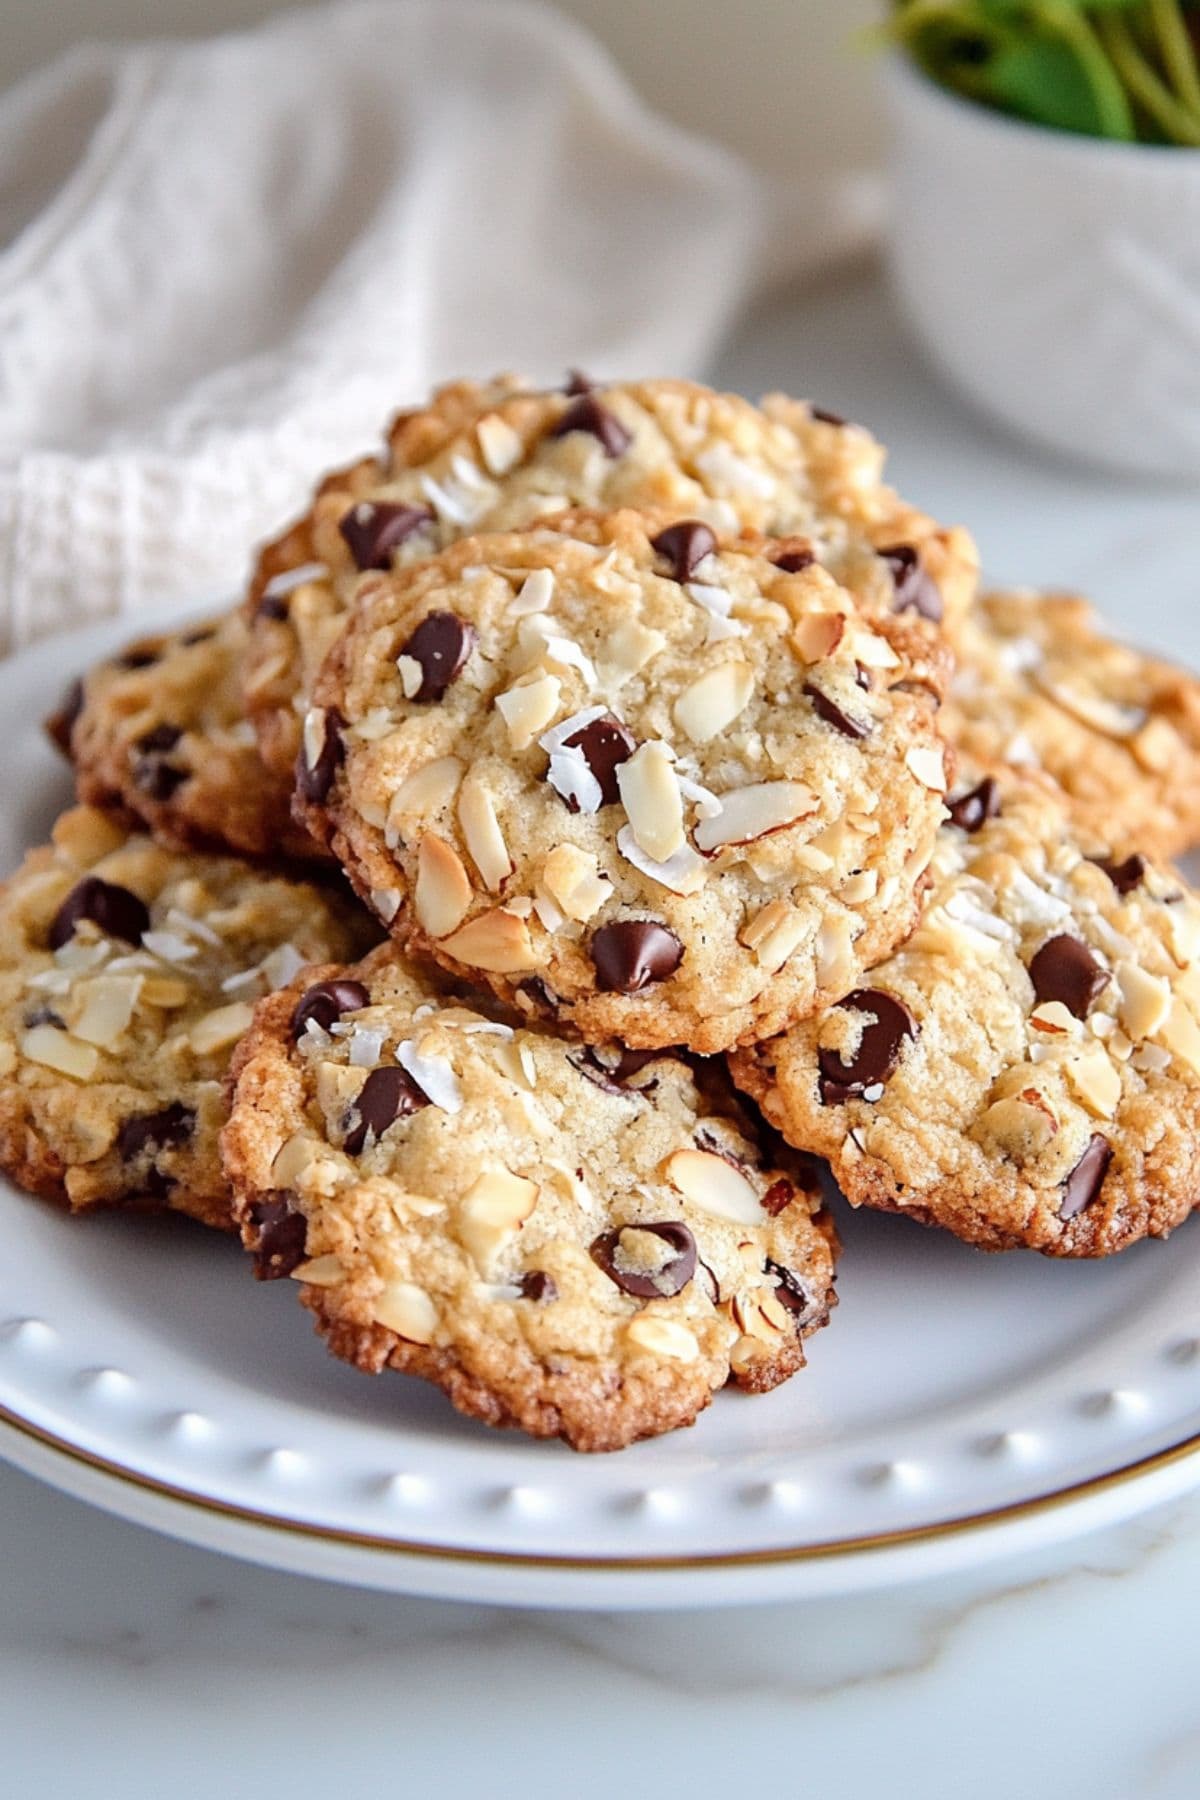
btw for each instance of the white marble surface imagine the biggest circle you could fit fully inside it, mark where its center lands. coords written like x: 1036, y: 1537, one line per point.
x: 133, y: 1666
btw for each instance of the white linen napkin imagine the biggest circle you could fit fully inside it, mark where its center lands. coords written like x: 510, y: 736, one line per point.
x: 227, y: 261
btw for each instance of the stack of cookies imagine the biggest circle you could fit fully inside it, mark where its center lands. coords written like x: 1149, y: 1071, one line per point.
x: 706, y: 830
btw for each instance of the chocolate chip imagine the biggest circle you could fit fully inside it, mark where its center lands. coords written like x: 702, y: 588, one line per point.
x: 539, y: 996
x: 145, y: 1133
x: 685, y: 546
x: 915, y: 591
x: 201, y: 635
x: 588, y: 415
x: 779, y: 1195
x: 385, y: 1096
x: 113, y: 910
x: 614, y: 1077
x: 972, y: 809
x: 441, y: 645
x: 152, y: 774
x: 326, y: 1001
x: 536, y: 1285
x: 1125, y: 876
x: 831, y: 712
x: 62, y: 722
x: 826, y: 418
x: 281, y: 1236
x: 139, y: 656
x: 274, y: 606
x: 1065, y: 969
x: 604, y: 745
x: 658, y: 1284
x: 631, y: 953
x: 790, y: 1291
x: 578, y: 383
x: 316, y: 778
x: 874, y: 1062
x: 43, y: 1015
x: 795, y: 558
x: 1086, y: 1178
x: 374, y: 528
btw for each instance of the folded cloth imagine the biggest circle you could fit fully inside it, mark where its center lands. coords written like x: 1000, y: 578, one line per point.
x: 226, y: 260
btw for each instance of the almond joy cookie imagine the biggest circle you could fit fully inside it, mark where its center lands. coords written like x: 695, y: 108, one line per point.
x: 1039, y: 686
x: 1026, y: 1071
x: 158, y: 733
x: 127, y: 974
x: 501, y: 457
x: 579, y: 1242
x: 667, y: 792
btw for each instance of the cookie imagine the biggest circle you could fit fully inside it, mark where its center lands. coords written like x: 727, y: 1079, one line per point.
x: 502, y: 457
x: 1026, y: 1070
x: 158, y: 733
x: 1039, y: 686
x: 127, y: 974
x: 579, y: 1242
x: 668, y: 792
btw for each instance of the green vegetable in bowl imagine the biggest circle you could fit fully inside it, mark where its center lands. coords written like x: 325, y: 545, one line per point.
x: 1124, y: 69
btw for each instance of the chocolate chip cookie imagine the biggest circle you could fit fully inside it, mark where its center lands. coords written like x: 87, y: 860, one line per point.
x: 1039, y: 686
x: 579, y: 1242
x: 158, y: 733
x: 668, y: 792
x: 502, y: 456
x: 1026, y: 1070
x: 127, y: 974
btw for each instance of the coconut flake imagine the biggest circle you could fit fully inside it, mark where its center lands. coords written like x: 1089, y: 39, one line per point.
x: 571, y: 777
x: 534, y: 594
x: 1034, y: 906
x: 385, y: 903
x: 366, y: 1043
x: 725, y: 468
x: 682, y: 873
x: 556, y: 737
x: 706, y: 802
x: 288, y: 580
x: 433, y: 1075
x: 461, y: 504
x: 168, y: 946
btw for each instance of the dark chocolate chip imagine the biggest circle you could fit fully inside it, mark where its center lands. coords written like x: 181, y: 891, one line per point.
x: 1086, y: 1178
x: 539, y: 996
x: 43, y: 1015
x: 139, y: 656
x: 113, y: 910
x: 326, y: 1001
x: 62, y: 722
x: 604, y: 745
x: 536, y: 1285
x: 145, y: 1133
x: 316, y: 778
x: 826, y: 418
x: 274, y: 606
x: 386, y: 1095
x: 630, y: 954
x: 201, y: 635
x: 615, y: 1076
x: 878, y: 1049
x: 1065, y: 969
x: 588, y: 415
x: 915, y: 591
x: 1125, y: 876
x: 685, y: 546
x: 658, y: 1284
x: 441, y: 645
x: 779, y: 1195
x: 280, y: 1240
x: 972, y: 809
x: 795, y: 559
x: 831, y: 712
x: 374, y: 528
x: 578, y: 383
x: 790, y: 1291
x: 153, y: 775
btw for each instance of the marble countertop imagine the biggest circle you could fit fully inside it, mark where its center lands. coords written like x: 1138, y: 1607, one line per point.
x: 131, y: 1665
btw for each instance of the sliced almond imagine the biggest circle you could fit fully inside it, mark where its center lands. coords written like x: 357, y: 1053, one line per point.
x: 653, y: 803
x: 481, y: 829
x: 528, y: 708
x: 860, y: 887
x: 630, y: 647
x: 1102, y: 714
x: 662, y: 1337
x: 752, y: 812
x: 294, y: 1158
x: 320, y: 1271
x: 714, y: 701
x: 86, y: 835
x: 926, y: 763
x: 1145, y: 1000
x: 1052, y: 1019
x: 1156, y: 746
x: 497, y: 941
x: 55, y: 1049
x: 817, y: 635
x: 411, y: 676
x: 221, y: 1028
x: 762, y: 1315
x: 873, y: 651
x: 1095, y: 1080
x: 1181, y: 1034
x: 715, y: 1186
x: 776, y: 930
x: 499, y: 445
x: 763, y: 923
x: 492, y: 1211
x: 164, y: 991
x: 746, y: 1352
x: 108, y: 1003
x: 443, y: 892
x: 1021, y: 1125
x: 836, y: 967
x: 571, y: 878
x: 428, y: 789
x: 406, y: 1309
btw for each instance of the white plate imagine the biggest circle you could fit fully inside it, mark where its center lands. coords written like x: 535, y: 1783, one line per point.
x: 958, y: 1405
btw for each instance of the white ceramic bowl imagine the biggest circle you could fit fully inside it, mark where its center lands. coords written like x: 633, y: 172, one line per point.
x: 1055, y: 278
